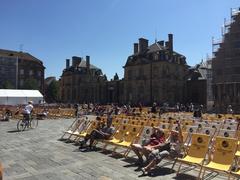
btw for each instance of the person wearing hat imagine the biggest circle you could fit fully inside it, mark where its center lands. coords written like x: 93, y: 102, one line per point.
x: 102, y: 132
x: 171, y: 148
x: 156, y: 139
x: 27, y: 111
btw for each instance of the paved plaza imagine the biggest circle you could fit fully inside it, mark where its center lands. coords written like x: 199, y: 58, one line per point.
x: 37, y: 154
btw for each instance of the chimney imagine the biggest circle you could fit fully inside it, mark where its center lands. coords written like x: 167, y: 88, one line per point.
x: 88, y: 62
x: 161, y: 43
x: 67, y: 63
x: 167, y: 44
x: 170, y: 42
x: 135, y: 48
x: 143, y: 45
x: 76, y: 61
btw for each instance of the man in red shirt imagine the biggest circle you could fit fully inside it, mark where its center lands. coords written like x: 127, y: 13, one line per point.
x: 157, y: 138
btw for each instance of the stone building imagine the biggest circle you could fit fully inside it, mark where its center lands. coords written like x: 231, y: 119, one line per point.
x: 155, y: 73
x: 226, y: 65
x: 82, y: 82
x: 19, y: 68
x: 199, y: 84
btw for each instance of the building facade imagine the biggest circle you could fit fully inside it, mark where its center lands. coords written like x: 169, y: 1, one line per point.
x: 155, y: 73
x: 199, y: 84
x: 82, y: 82
x: 226, y: 65
x: 18, y: 69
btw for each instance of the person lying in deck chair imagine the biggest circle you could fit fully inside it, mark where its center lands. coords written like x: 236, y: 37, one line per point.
x: 156, y: 139
x: 101, y: 133
x: 171, y: 148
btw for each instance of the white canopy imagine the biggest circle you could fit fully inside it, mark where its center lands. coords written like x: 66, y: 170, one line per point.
x: 16, y: 96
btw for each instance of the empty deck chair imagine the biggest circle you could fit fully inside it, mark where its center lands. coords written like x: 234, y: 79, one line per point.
x: 223, y: 156
x: 197, y: 151
x: 129, y: 137
x: 227, y: 133
x: 187, y: 134
x: 73, y: 127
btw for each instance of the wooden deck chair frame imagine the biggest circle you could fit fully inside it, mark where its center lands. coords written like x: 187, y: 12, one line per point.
x: 70, y: 127
x: 222, y: 146
x: 132, y: 135
x: 117, y: 136
x: 197, y: 151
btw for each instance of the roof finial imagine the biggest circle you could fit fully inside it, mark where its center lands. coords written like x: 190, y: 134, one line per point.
x: 21, y: 47
x: 155, y: 35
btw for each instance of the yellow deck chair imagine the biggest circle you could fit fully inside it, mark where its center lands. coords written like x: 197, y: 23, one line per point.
x: 227, y: 133
x: 118, y: 135
x: 187, y: 134
x: 73, y: 127
x: 223, y: 155
x: 129, y: 137
x: 145, y: 134
x: 197, y: 151
x: 93, y: 125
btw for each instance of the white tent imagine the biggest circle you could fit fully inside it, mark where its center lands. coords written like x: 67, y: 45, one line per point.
x: 14, y: 96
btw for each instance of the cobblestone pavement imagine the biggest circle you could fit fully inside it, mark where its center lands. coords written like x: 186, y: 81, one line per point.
x: 37, y: 154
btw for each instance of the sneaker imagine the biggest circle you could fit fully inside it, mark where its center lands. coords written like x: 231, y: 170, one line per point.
x: 144, y: 172
x: 82, y: 144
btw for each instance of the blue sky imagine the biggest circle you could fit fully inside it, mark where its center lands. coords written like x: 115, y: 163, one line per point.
x: 54, y: 30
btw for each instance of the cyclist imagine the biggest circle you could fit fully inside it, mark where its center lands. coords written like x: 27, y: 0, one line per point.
x: 27, y: 111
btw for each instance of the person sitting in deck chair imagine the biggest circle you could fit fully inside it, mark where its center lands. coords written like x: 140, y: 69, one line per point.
x: 171, y: 148
x: 156, y: 139
x: 102, y: 132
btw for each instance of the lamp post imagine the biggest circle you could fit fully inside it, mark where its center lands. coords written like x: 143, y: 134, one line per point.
x: 17, y: 72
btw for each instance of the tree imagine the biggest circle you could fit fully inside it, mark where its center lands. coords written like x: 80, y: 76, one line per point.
x: 7, y: 85
x: 31, y: 84
x: 52, y: 92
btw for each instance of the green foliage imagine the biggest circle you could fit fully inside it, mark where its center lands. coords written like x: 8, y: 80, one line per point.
x: 31, y: 84
x: 52, y: 92
x: 8, y: 85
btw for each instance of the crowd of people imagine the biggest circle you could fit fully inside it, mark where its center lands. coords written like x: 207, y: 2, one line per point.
x: 150, y: 152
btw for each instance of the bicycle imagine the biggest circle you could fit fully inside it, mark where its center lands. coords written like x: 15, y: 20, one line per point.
x: 24, y: 122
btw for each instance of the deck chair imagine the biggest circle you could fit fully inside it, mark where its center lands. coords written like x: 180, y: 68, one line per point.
x: 197, y: 151
x: 117, y: 137
x: 237, y: 158
x: 145, y: 135
x: 223, y: 156
x: 73, y: 127
x: 187, y: 134
x: 227, y: 133
x: 87, y: 130
x: 129, y: 137
x: 230, y: 126
x: 164, y: 126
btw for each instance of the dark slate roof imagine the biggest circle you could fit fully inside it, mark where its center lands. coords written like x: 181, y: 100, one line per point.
x: 20, y: 54
x: 83, y: 64
x: 143, y: 58
x: 155, y: 48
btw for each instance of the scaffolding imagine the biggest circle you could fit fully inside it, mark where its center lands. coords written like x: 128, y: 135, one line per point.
x: 216, y: 43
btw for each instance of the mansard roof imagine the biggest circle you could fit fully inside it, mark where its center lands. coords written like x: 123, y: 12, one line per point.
x: 147, y: 56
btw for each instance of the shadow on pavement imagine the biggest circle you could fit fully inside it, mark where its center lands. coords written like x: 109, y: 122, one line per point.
x: 185, y: 176
x: 13, y: 131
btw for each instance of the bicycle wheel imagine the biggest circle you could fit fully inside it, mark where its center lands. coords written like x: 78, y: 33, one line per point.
x: 33, y: 123
x: 21, y: 125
